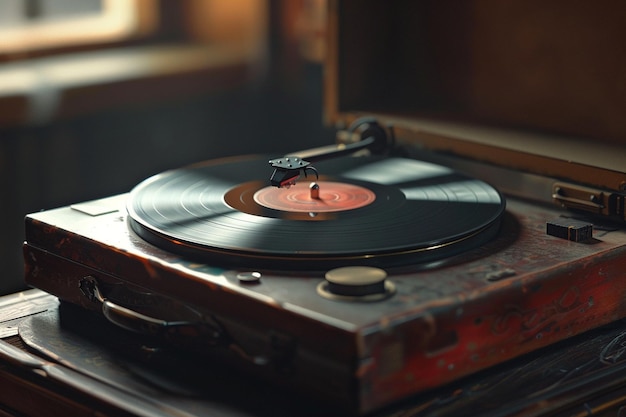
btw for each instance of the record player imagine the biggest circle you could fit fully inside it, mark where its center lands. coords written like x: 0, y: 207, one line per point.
x: 456, y: 225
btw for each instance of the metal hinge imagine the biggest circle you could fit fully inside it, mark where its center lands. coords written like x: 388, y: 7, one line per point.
x: 602, y: 202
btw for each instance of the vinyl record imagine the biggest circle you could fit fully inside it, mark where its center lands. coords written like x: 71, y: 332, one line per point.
x: 377, y: 211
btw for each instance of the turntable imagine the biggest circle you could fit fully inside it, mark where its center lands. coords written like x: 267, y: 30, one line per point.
x: 364, y: 272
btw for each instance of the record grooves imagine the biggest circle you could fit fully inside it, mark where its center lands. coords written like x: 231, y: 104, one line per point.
x: 375, y: 211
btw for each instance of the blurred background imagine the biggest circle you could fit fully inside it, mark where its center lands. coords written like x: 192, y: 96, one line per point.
x: 97, y: 95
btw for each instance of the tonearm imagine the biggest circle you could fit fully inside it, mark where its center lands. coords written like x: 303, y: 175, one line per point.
x: 289, y: 168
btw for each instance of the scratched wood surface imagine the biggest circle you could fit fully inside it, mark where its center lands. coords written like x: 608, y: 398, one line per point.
x: 583, y: 376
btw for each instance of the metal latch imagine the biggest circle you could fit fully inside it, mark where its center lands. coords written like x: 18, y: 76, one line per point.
x: 593, y: 200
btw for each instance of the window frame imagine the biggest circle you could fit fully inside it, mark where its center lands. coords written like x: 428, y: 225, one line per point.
x: 120, y: 20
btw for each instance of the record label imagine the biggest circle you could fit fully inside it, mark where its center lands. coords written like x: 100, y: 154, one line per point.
x: 316, y: 197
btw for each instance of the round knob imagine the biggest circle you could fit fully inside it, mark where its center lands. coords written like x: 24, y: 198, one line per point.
x: 356, y: 283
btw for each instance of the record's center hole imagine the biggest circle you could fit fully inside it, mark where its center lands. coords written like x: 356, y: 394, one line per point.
x: 329, y: 197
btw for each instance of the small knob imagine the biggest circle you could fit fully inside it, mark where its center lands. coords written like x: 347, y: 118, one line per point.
x: 356, y: 283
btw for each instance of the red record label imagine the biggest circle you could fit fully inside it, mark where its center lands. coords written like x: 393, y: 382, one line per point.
x: 322, y: 197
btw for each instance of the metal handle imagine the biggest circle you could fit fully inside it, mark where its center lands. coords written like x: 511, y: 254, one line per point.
x: 189, y: 335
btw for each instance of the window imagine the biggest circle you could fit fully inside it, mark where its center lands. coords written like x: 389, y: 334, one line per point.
x: 36, y: 25
x: 64, y: 58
